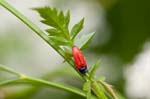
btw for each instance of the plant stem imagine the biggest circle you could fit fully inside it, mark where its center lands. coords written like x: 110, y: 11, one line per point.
x: 4, y: 68
x: 39, y: 81
x: 28, y: 23
x: 60, y: 86
x: 8, y: 81
x: 47, y: 83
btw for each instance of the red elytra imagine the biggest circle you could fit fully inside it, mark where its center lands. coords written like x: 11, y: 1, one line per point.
x: 79, y: 60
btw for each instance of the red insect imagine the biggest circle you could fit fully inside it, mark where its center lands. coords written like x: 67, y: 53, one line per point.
x: 79, y: 60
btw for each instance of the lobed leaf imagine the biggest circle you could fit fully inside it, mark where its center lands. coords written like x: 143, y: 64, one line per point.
x: 56, y: 20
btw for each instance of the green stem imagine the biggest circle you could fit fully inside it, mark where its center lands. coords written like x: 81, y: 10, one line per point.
x: 8, y: 81
x: 39, y: 81
x: 28, y: 23
x: 56, y: 85
x: 4, y: 68
x: 47, y: 83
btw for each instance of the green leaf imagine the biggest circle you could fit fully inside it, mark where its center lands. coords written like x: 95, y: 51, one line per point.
x: 98, y: 90
x: 67, y: 18
x: 54, y: 32
x: 61, y: 18
x: 109, y: 89
x: 87, y: 89
x: 55, y: 19
x: 94, y: 68
x: 49, y: 16
x: 76, y: 29
x: 60, y: 41
x: 84, y: 41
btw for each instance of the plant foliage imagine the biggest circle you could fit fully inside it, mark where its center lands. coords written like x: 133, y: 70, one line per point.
x: 58, y: 30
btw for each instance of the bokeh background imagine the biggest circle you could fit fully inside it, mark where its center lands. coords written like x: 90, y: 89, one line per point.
x: 122, y: 42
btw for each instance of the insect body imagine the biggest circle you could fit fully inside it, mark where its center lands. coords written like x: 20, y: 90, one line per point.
x: 79, y: 60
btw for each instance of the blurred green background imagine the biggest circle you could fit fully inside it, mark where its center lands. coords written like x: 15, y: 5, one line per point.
x: 122, y: 42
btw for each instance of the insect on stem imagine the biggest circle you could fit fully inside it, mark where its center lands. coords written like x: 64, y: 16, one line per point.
x: 79, y: 60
